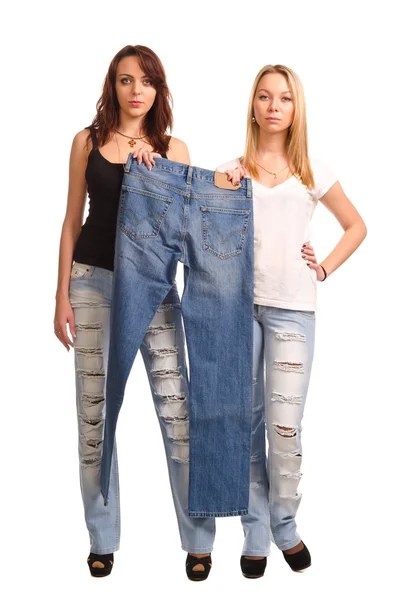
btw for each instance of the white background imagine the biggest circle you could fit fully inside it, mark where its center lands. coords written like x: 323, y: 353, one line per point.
x: 347, y: 54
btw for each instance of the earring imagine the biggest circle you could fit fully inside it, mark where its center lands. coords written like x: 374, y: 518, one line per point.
x: 254, y: 119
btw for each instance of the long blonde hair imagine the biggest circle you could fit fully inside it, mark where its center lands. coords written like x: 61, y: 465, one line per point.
x: 297, y: 140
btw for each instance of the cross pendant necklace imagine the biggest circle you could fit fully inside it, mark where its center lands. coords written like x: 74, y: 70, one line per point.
x: 132, y: 139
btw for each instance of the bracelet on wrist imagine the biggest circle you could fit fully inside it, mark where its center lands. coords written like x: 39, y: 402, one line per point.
x: 325, y: 273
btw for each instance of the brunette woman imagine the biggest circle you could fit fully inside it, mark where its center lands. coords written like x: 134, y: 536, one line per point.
x: 133, y: 115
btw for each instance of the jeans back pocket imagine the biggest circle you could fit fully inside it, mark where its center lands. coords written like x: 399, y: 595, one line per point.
x: 142, y: 212
x: 224, y: 230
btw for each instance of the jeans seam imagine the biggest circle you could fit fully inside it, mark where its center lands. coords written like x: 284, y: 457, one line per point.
x: 117, y: 502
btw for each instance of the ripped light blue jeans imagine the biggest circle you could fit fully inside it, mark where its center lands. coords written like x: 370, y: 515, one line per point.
x: 284, y: 345
x: 163, y: 353
x: 280, y: 336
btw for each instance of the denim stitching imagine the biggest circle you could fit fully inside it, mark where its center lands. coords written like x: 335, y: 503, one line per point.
x: 205, y: 229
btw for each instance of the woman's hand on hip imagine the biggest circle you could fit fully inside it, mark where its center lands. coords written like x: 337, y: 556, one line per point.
x: 142, y: 154
x: 308, y: 254
x: 64, y: 316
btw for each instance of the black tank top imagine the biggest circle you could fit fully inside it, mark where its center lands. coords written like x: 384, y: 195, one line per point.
x: 96, y: 241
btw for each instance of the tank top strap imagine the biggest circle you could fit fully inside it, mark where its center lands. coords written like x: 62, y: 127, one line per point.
x: 93, y: 137
x: 164, y: 155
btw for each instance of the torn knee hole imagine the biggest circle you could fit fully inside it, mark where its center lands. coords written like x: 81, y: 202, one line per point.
x: 293, y: 399
x: 289, y: 366
x: 163, y: 351
x: 83, y: 304
x: 174, y: 398
x: 287, y: 432
x: 180, y: 450
x: 94, y: 443
x: 156, y: 329
x: 92, y: 399
x: 180, y: 459
x: 100, y: 373
x: 181, y: 419
x: 293, y: 475
x: 91, y: 462
x: 88, y: 326
x: 91, y: 420
x: 289, y: 337
x: 89, y: 351
x: 294, y: 454
x: 164, y: 373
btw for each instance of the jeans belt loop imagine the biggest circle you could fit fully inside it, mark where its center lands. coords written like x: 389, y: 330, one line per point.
x: 128, y: 163
x: 189, y: 174
x: 248, y: 187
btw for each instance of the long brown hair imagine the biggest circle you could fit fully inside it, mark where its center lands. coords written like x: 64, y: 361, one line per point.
x: 159, y: 118
x: 297, y: 140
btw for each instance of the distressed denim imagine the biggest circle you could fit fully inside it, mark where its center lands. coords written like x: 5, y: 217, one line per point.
x: 283, y: 349
x: 173, y: 213
x: 163, y: 353
x: 284, y: 342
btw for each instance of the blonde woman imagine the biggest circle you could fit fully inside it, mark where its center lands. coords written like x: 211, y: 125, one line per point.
x: 287, y: 186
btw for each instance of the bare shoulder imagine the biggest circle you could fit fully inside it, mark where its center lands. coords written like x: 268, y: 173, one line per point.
x: 82, y: 142
x: 178, y: 151
x: 177, y: 144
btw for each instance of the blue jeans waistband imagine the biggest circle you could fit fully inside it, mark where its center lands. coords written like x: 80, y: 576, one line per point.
x: 187, y: 173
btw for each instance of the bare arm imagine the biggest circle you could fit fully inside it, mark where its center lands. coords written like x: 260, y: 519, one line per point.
x: 70, y: 231
x: 353, y: 225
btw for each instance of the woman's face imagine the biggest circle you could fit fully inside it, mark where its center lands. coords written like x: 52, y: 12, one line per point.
x: 273, y: 106
x: 135, y: 91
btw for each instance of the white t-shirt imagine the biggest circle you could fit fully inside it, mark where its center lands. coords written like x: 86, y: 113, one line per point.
x: 282, y: 216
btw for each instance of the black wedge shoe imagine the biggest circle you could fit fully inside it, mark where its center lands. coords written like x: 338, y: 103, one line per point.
x: 192, y: 561
x: 253, y: 569
x: 300, y: 560
x: 105, y: 559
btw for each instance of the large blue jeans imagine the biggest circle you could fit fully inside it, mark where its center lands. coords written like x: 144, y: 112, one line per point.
x: 175, y: 213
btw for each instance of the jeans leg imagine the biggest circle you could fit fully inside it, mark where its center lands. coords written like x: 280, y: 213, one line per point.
x: 163, y: 352
x: 289, y: 346
x: 136, y: 295
x: 90, y: 300
x: 256, y: 524
x: 217, y: 308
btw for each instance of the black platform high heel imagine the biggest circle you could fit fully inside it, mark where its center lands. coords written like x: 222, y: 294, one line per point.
x: 253, y: 569
x: 300, y: 560
x: 192, y: 561
x: 105, y: 559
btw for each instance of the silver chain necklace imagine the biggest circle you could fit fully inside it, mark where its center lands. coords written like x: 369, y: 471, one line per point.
x: 272, y: 172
